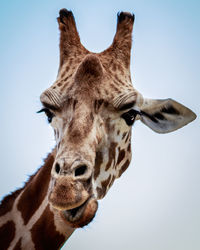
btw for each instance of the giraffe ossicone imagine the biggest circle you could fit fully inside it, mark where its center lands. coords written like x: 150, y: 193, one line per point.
x: 91, y: 106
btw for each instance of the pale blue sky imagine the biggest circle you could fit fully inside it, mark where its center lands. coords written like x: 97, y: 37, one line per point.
x: 155, y: 205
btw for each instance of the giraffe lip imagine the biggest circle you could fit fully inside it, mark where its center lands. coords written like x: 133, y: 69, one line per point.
x: 81, y: 215
x: 75, y: 213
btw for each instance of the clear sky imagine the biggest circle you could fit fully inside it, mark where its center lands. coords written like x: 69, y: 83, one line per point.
x: 155, y: 205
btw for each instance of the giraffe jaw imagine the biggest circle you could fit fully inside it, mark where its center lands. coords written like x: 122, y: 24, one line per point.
x: 81, y: 215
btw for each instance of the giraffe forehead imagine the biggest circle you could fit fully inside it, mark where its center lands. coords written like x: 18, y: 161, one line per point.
x: 108, y: 91
x: 92, y: 76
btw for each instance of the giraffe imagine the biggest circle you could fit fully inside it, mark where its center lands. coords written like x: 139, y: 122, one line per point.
x: 91, y: 106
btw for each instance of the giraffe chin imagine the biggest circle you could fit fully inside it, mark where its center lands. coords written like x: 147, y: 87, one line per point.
x: 82, y: 215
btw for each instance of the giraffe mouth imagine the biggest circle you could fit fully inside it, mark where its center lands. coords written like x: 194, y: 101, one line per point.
x: 81, y: 215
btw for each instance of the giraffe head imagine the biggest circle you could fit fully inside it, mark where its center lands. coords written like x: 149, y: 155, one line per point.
x: 91, y: 107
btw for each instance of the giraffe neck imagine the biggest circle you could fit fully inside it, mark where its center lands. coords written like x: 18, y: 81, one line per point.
x: 26, y: 219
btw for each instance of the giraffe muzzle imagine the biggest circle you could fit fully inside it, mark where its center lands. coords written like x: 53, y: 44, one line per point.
x: 67, y: 194
x: 74, y: 199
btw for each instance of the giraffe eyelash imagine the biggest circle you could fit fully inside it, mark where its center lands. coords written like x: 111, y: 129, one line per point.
x: 130, y: 116
x: 48, y: 113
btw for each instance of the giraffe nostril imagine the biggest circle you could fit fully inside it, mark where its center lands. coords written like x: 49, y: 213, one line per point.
x: 80, y: 170
x: 57, y: 168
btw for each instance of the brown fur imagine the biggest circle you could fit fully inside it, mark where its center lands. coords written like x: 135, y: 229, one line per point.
x: 112, y: 151
x: 7, y: 203
x: 51, y: 240
x: 33, y: 194
x: 18, y: 245
x: 90, y: 71
x: 128, y: 137
x: 32, y: 198
x: 124, y: 167
x: 129, y: 147
x: 121, y: 156
x: 105, y: 185
x: 99, y: 192
x: 98, y: 162
x: 7, y: 233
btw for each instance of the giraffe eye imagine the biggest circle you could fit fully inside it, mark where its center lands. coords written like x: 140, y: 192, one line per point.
x: 48, y: 113
x: 130, y: 116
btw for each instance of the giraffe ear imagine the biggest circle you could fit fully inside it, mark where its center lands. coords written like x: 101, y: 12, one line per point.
x: 164, y: 116
x: 89, y: 70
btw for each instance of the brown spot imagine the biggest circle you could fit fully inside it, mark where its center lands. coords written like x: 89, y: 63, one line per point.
x: 118, y: 131
x: 92, y: 117
x: 106, y: 104
x: 97, y: 104
x: 129, y: 147
x: 7, y: 233
x: 51, y: 240
x: 36, y: 190
x: 74, y: 104
x: 7, y: 202
x: 113, y: 178
x: 121, y: 156
x: 124, y: 134
x: 105, y: 184
x: 128, y: 137
x: 67, y: 68
x: 98, y: 91
x: 18, y: 245
x: 111, y: 156
x: 60, y: 84
x: 62, y: 75
x: 67, y: 77
x: 75, y: 66
x: 98, y: 162
x: 124, y: 167
x: 99, y: 193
